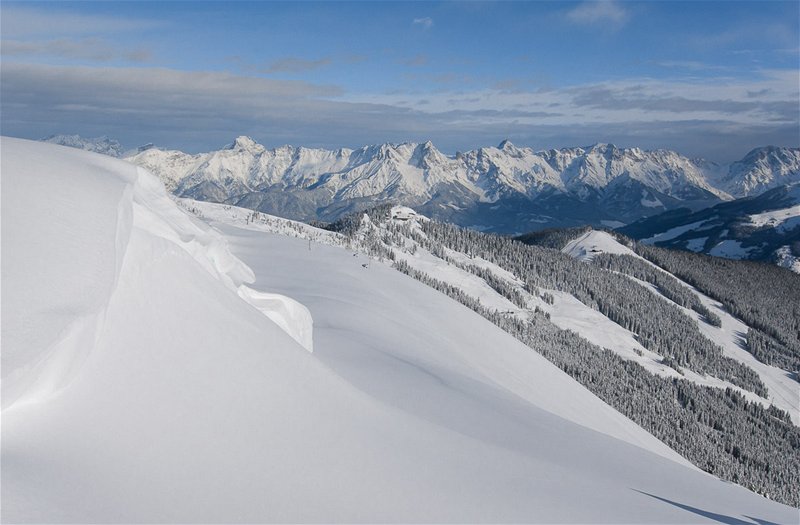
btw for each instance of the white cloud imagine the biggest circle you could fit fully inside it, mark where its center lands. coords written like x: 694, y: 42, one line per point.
x: 424, y: 22
x: 51, y: 33
x: 721, y: 119
x: 607, y: 13
x: 94, y: 49
x: 24, y: 22
x: 296, y: 65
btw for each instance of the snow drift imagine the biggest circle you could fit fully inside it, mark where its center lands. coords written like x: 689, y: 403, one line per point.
x: 142, y: 388
x: 67, y: 229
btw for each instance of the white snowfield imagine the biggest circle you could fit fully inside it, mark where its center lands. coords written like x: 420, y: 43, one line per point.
x: 145, y: 389
x: 59, y: 281
x: 589, y: 244
x: 784, y: 391
x: 783, y: 220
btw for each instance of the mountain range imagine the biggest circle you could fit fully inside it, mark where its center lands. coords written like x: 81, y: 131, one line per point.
x: 504, y: 189
x: 103, y: 144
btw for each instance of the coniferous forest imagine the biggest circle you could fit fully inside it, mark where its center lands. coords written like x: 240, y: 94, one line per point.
x: 716, y: 429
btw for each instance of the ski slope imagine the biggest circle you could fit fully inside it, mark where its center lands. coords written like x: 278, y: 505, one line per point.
x: 147, y: 385
x: 784, y: 391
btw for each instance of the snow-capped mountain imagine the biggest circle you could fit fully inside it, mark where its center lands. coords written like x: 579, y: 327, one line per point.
x: 503, y: 189
x: 761, y: 170
x: 764, y: 227
x: 103, y: 144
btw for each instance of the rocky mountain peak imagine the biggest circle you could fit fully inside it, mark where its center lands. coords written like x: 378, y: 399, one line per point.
x: 245, y: 143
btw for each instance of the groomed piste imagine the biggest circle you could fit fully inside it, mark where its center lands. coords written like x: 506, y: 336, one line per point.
x: 156, y: 369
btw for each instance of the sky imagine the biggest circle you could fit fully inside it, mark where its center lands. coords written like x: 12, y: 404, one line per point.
x: 707, y: 79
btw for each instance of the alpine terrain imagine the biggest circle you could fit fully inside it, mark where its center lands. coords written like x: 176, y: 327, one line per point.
x: 765, y: 227
x: 505, y: 189
x: 172, y: 360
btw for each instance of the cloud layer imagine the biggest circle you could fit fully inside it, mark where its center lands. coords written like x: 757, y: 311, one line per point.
x: 203, y: 110
x: 384, y: 72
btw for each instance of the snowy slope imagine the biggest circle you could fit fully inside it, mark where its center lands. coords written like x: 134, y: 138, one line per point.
x: 784, y: 391
x: 762, y: 169
x: 593, y: 242
x: 181, y: 402
x: 565, y: 311
x: 783, y: 220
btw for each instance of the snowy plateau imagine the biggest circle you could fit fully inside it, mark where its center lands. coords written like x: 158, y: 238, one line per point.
x: 167, y: 360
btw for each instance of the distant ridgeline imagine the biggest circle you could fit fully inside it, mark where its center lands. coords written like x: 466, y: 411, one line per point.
x: 504, y: 189
x: 764, y: 227
x: 720, y: 429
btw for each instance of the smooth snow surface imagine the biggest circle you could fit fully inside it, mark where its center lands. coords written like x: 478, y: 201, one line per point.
x: 783, y: 220
x: 673, y: 233
x: 188, y: 405
x: 593, y: 242
x: 730, y: 249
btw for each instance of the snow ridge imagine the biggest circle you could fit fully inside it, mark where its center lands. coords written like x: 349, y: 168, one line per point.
x: 414, y: 170
x: 132, y: 202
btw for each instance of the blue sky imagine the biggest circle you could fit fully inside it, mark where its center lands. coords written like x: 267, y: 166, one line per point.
x: 710, y: 79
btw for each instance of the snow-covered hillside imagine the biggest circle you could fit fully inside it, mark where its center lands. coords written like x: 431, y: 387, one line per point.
x: 563, y: 310
x: 765, y: 227
x: 147, y: 385
x: 784, y: 391
x: 493, y: 288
